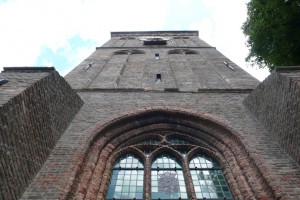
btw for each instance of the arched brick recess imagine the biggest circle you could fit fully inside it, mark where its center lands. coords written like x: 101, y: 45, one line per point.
x: 182, y: 51
x: 108, y: 140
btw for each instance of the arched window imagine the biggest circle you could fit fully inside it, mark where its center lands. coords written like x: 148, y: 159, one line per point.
x: 169, y: 170
x: 126, y: 179
x: 132, y: 52
x: 149, y: 141
x: 121, y: 52
x: 208, y: 179
x: 182, y: 51
x: 190, y: 52
x: 167, y: 181
x: 177, y: 141
x: 175, y: 51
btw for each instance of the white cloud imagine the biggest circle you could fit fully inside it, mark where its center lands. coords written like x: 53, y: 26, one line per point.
x: 206, y: 30
x: 27, y: 26
x: 222, y: 29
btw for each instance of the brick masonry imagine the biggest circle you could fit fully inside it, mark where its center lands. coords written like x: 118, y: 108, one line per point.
x: 101, y: 108
x: 199, y: 98
x: 188, y: 66
x: 276, y: 103
x: 36, y: 106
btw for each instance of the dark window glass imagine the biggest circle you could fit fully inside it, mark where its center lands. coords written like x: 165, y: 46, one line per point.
x: 3, y: 81
x: 158, y: 78
x: 155, y: 42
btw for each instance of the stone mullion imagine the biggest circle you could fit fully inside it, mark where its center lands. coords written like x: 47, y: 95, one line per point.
x: 188, y: 180
x: 147, y: 180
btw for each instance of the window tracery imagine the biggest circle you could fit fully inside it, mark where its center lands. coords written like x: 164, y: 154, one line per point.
x: 149, y: 141
x: 177, y: 141
x: 176, y: 166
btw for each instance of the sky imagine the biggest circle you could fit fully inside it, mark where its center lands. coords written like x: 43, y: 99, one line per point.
x: 62, y: 33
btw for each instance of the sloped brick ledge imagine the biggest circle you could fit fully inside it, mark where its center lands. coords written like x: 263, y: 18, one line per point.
x: 276, y: 103
x: 36, y: 106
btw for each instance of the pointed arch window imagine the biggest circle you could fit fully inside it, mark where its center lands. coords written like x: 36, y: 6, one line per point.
x: 167, y: 180
x: 208, y: 179
x: 127, y: 179
x: 179, y: 161
x: 177, y: 141
x: 149, y: 141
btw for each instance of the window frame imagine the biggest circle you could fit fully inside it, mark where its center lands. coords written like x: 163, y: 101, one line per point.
x: 178, y: 170
x: 117, y: 168
x: 165, y: 146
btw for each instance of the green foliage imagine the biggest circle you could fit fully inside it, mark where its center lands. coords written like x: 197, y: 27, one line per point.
x: 273, y: 30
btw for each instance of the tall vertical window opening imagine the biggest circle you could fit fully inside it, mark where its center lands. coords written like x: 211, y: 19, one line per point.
x: 158, y: 78
x: 167, y: 181
x: 208, y: 179
x: 127, y: 179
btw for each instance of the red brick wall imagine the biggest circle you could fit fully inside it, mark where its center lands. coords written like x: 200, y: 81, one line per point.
x: 35, y: 109
x: 244, y: 173
x: 275, y: 102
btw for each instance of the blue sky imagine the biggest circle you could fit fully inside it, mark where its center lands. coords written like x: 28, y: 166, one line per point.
x: 62, y: 33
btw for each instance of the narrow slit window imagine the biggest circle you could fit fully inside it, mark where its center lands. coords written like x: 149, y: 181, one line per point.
x: 158, y: 78
x: 157, y: 56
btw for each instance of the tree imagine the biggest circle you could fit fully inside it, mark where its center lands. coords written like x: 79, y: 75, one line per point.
x: 273, y: 30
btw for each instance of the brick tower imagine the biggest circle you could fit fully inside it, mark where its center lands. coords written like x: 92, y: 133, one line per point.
x: 167, y: 116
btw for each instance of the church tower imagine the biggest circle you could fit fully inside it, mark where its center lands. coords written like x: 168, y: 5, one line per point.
x: 162, y: 61
x: 167, y: 116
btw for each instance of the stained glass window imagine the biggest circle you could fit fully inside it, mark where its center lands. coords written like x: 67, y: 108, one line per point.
x: 167, y: 180
x: 167, y: 177
x: 208, y: 179
x: 127, y: 179
x: 177, y: 141
x: 150, y: 141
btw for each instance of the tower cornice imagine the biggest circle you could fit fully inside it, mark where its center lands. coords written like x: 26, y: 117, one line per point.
x: 154, y: 33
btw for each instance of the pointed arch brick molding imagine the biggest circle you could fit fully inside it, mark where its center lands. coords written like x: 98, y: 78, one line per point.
x: 107, y: 141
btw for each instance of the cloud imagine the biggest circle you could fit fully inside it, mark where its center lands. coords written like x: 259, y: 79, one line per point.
x: 27, y: 27
x: 222, y: 28
x: 35, y: 32
x: 68, y: 56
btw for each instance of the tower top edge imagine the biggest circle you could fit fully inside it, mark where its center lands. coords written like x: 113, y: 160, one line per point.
x: 154, y: 33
